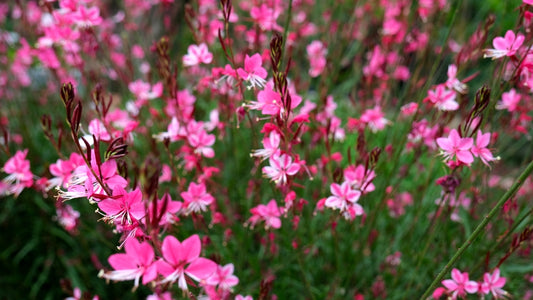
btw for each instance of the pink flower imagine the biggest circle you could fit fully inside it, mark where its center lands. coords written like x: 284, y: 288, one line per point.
x: 443, y: 98
x: 268, y: 101
x: 201, y: 141
x: 20, y: 176
x: 345, y: 199
x: 196, y: 55
x: 280, y: 167
x: 84, y: 17
x: 123, y: 207
x: 455, y: 146
x: 183, y: 260
x: 223, y: 277
x: 270, y: 144
x: 505, y: 46
x: 196, y: 199
x: 480, y: 148
x: 67, y: 217
x: 265, y: 17
x: 509, y: 101
x: 316, y: 52
x: 137, y: 262
x: 459, y: 285
x: 253, y: 71
x: 375, y: 119
x: 493, y: 284
x: 269, y: 213
x: 453, y: 82
x: 240, y: 297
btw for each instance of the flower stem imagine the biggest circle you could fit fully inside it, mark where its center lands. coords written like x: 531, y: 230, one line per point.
x: 510, y: 193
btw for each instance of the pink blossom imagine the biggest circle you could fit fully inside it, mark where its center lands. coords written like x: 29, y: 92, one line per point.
x: 97, y: 128
x: 63, y: 169
x: 67, y: 217
x: 265, y: 17
x: 137, y: 262
x: 269, y: 213
x: 123, y: 207
x: 270, y: 144
x: 443, y: 98
x: 196, y: 199
x: 375, y: 119
x: 457, y: 147
x: 20, y: 176
x: 505, y: 46
x: 360, y: 178
x: 280, y: 167
x: 182, y: 260
x: 144, y: 91
x: 345, y: 199
x: 240, y: 297
x: 459, y: 285
x: 200, y: 140
x: 223, y: 277
x: 253, y: 72
x: 480, y: 148
x: 509, y: 101
x: 453, y: 82
x: 84, y: 17
x: 493, y: 283
x: 268, y: 101
x: 316, y: 52
x: 197, y: 54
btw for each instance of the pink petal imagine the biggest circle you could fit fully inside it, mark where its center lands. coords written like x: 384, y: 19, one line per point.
x: 190, y: 248
x: 122, y: 261
x: 171, y: 249
x: 201, y: 268
x: 465, y: 156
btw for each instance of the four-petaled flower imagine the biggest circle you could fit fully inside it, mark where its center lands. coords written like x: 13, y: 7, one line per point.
x: 493, y: 284
x: 183, y: 260
x: 137, y: 262
x: 280, y: 167
x: 253, y: 71
x: 456, y: 146
x: 505, y: 46
x: 196, y: 199
x: 196, y: 55
x: 459, y: 285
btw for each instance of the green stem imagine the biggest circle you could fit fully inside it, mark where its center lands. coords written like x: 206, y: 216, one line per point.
x: 510, y: 193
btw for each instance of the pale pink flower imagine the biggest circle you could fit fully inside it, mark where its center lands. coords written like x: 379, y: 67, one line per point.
x: 453, y: 82
x: 67, y: 217
x: 62, y: 170
x: 345, y: 199
x: 196, y: 198
x: 280, y: 167
x: 265, y: 17
x: 457, y: 147
x: 360, y: 178
x: 240, y: 297
x: 509, y: 101
x: 316, y: 52
x: 197, y: 54
x: 20, y: 176
x: 144, y: 91
x: 480, y: 148
x: 200, y: 140
x: 459, y: 285
x: 137, y: 262
x: 505, y: 46
x: 493, y: 283
x: 97, y: 128
x: 443, y: 98
x: 270, y: 144
x: 182, y: 260
x: 223, y: 277
x: 253, y: 71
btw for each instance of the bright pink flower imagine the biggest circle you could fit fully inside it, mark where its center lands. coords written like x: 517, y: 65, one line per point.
x: 443, y: 98
x: 459, y: 285
x: 197, y: 55
x: 182, y: 260
x: 201, y: 141
x: 268, y: 101
x: 280, y: 167
x: 253, y: 71
x: 62, y: 170
x: 360, y: 178
x: 457, y: 147
x: 223, y: 277
x: 137, y: 262
x: 480, y: 148
x: 269, y: 213
x: 123, y: 207
x: 493, y: 284
x: 196, y: 198
x: 316, y: 52
x: 171, y: 209
x: 505, y: 46
x: 20, y: 176
x: 509, y: 101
